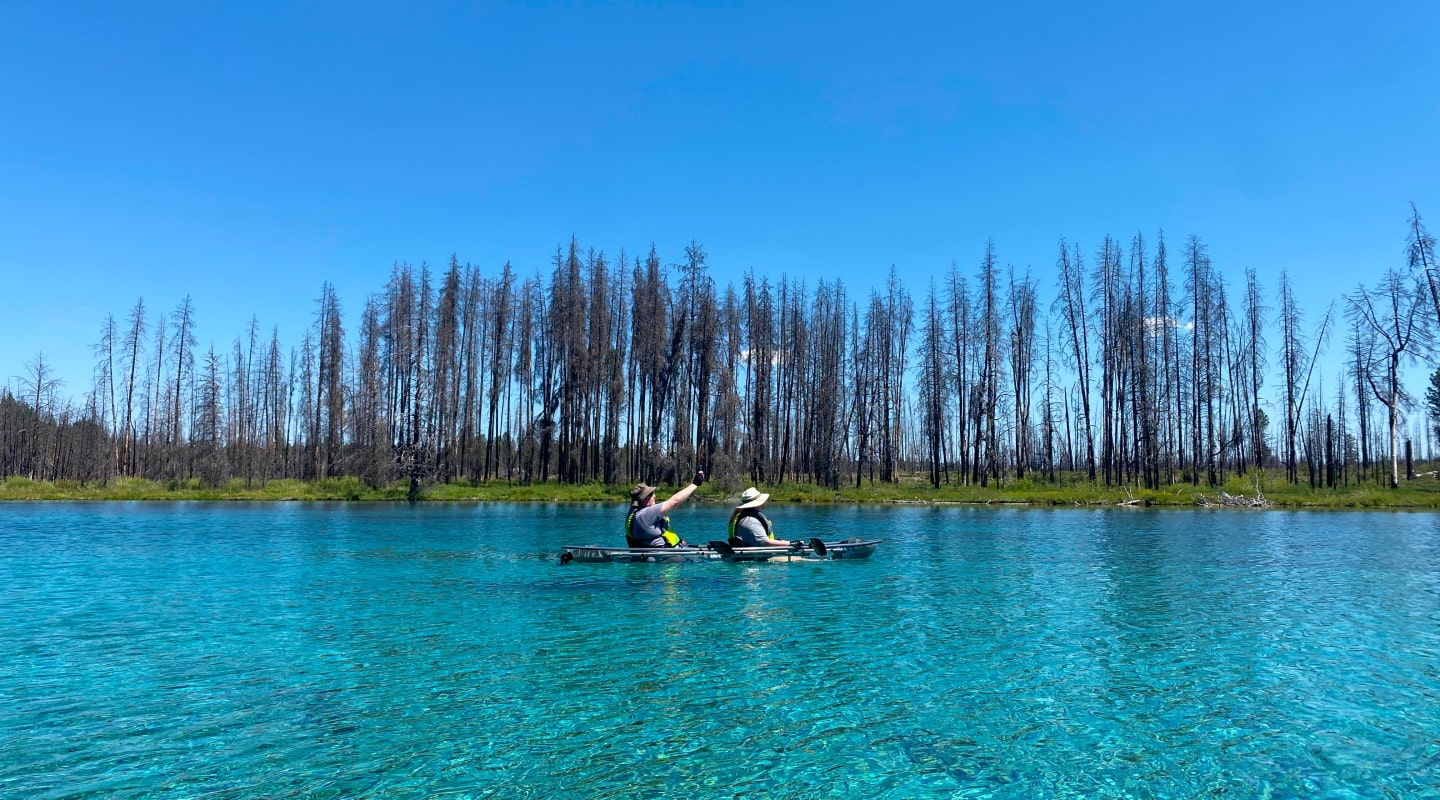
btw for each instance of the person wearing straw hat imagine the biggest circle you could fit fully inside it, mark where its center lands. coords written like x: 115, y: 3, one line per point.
x: 751, y: 528
x: 648, y: 524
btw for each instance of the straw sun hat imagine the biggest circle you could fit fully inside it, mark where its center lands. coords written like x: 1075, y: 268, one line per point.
x: 752, y: 497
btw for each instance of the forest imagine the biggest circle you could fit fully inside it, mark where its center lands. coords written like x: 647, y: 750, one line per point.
x: 1149, y: 367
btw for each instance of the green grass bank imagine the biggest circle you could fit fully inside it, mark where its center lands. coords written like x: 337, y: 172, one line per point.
x: 1421, y: 493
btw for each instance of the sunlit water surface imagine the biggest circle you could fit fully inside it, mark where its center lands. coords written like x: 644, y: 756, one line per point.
x: 314, y: 650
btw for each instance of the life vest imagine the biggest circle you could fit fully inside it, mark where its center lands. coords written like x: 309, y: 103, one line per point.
x: 750, y: 512
x: 671, y: 538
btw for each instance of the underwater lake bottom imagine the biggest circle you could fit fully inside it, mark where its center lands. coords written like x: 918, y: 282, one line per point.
x: 441, y: 650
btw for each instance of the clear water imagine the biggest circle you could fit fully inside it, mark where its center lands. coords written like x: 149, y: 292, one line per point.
x: 292, y: 650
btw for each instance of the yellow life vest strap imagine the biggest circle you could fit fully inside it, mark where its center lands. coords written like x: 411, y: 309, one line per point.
x: 671, y: 538
x: 764, y: 522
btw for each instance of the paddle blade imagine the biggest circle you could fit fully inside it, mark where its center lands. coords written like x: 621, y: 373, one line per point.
x: 723, y: 548
x: 818, y: 546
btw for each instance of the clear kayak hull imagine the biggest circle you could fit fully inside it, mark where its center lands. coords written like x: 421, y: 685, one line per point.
x: 597, y: 554
x: 813, y: 550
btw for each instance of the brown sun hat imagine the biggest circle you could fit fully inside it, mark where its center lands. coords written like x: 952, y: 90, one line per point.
x: 641, y: 492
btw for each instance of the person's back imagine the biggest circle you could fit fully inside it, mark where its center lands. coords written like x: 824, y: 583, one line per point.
x: 648, y: 523
x: 749, y: 527
x: 752, y: 530
x: 647, y: 527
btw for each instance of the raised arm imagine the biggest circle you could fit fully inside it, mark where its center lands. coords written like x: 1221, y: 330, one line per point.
x: 678, y: 498
x: 684, y: 494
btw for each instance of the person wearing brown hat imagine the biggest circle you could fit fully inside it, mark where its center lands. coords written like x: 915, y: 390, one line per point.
x: 749, y: 527
x: 648, y: 524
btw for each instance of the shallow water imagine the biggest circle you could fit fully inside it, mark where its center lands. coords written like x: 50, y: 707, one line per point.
x: 316, y: 650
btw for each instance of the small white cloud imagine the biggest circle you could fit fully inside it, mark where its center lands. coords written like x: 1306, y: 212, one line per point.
x: 1155, y: 324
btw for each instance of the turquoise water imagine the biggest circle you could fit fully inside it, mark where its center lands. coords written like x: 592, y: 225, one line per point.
x: 294, y: 650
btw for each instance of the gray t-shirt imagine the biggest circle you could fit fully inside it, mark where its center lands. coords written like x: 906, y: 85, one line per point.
x: 649, y: 526
x: 751, y: 531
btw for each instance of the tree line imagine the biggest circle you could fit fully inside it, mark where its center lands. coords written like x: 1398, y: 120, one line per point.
x: 1147, y: 367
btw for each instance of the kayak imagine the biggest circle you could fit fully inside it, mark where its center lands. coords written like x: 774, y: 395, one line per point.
x: 598, y: 554
x: 813, y: 550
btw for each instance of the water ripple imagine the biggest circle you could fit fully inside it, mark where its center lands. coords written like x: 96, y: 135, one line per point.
x: 228, y: 651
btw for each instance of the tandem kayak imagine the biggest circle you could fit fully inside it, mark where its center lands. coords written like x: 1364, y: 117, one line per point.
x: 813, y: 550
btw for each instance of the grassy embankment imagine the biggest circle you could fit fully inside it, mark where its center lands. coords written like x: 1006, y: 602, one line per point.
x: 1423, y: 492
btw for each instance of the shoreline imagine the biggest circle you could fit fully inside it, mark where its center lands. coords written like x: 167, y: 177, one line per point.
x: 1238, y: 494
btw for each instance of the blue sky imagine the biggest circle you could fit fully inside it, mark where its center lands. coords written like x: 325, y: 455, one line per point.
x: 246, y: 154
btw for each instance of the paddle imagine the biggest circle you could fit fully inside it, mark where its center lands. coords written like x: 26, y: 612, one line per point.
x: 726, y: 549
